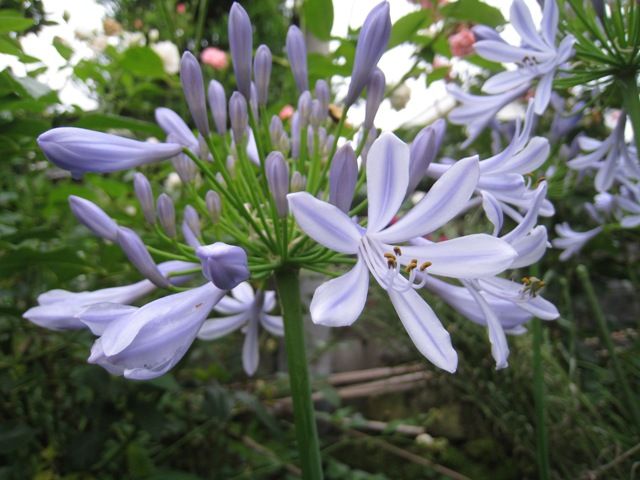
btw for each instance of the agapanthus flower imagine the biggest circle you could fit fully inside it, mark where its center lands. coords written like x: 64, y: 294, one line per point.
x: 571, y: 241
x: 59, y: 309
x: 249, y: 310
x: 340, y: 301
x: 537, y: 57
x: 145, y: 343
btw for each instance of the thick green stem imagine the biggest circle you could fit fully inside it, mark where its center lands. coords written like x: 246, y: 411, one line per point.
x: 542, y: 440
x: 630, y: 399
x: 631, y: 101
x: 287, y: 283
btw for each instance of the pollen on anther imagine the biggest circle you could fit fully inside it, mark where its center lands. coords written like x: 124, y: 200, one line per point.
x: 397, y: 251
x: 424, y: 266
x: 390, y: 256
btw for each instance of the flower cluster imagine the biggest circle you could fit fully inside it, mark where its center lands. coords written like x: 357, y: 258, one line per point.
x: 267, y: 195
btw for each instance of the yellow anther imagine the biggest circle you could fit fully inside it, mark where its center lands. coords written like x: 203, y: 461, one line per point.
x: 397, y: 251
x: 424, y: 266
x: 391, y: 263
x: 412, y: 264
x: 526, y: 280
x: 390, y: 256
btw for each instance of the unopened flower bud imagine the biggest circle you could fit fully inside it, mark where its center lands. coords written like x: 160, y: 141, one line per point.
x: 423, y: 151
x: 94, y: 218
x: 297, y: 53
x: 218, y: 105
x: 284, y: 145
x: 327, y: 145
x: 298, y: 182
x: 262, y: 73
x: 167, y: 214
x: 142, y: 187
x: 296, y: 130
x: 238, y: 116
x: 137, y: 253
x: 304, y: 107
x: 214, y: 205
x: 276, y: 129
x: 343, y: 176
x: 193, y: 87
x: 223, y: 265
x: 241, y: 46
x: 277, y: 171
x: 317, y: 114
x: 311, y: 141
x: 184, y: 167
x: 193, y: 219
x: 253, y: 103
x: 375, y: 94
x: 372, y: 42
x: 323, y: 95
x: 173, y: 125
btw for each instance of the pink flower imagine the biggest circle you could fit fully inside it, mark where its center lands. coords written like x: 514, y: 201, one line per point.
x: 215, y: 58
x: 286, y: 112
x: 181, y: 8
x: 461, y: 43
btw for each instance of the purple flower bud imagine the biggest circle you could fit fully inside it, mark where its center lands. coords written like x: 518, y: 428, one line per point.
x: 304, y: 107
x: 214, y: 205
x: 218, y: 105
x: 262, y: 73
x: 203, y: 149
x: 94, y: 218
x: 375, y: 94
x: 238, y: 115
x: 173, y: 125
x: 193, y: 219
x: 167, y: 214
x: 253, y: 102
x: 284, y: 145
x: 189, y: 235
x: 193, y: 88
x: 318, y: 115
x: 424, y: 149
x: 139, y: 256
x: 327, y: 145
x: 372, y: 42
x: 277, y: 171
x: 224, y: 265
x: 298, y: 182
x: 144, y: 193
x: 310, y: 141
x: 297, y: 53
x: 343, y: 176
x: 371, y: 137
x: 276, y: 129
x: 296, y: 130
x: 81, y: 151
x: 323, y: 94
x: 241, y: 46
x: 185, y: 168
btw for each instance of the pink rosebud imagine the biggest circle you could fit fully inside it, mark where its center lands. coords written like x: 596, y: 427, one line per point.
x: 214, y: 57
x: 181, y: 8
x: 461, y: 43
x: 286, y: 112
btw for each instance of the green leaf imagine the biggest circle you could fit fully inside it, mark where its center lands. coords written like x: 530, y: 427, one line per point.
x: 474, y: 11
x: 63, y: 49
x: 318, y: 17
x: 406, y: 27
x: 437, y: 74
x: 143, y: 62
x: 105, y: 121
x: 9, y: 46
x: 13, y: 21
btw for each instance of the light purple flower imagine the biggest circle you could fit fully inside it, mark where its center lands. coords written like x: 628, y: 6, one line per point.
x: 277, y: 171
x: 570, y: 241
x: 241, y: 46
x: 372, y: 43
x: 167, y: 214
x: 218, y: 105
x: 137, y: 253
x: 94, y: 218
x: 173, y: 125
x: 214, y: 205
x: 238, y: 116
x: 224, y: 265
x: 375, y: 95
x: 145, y: 343
x: 81, y: 151
x: 193, y: 88
x: 59, y: 309
x: 262, y: 73
x: 340, y: 301
x: 343, y: 176
x: 424, y: 149
x: 247, y: 310
x: 297, y: 54
x: 144, y: 193
x: 537, y: 57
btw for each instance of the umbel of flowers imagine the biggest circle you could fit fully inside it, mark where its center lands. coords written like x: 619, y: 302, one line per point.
x: 277, y: 198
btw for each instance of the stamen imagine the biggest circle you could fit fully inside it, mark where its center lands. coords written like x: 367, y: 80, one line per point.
x: 425, y: 265
x: 532, y: 285
x: 397, y: 251
x: 390, y: 256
